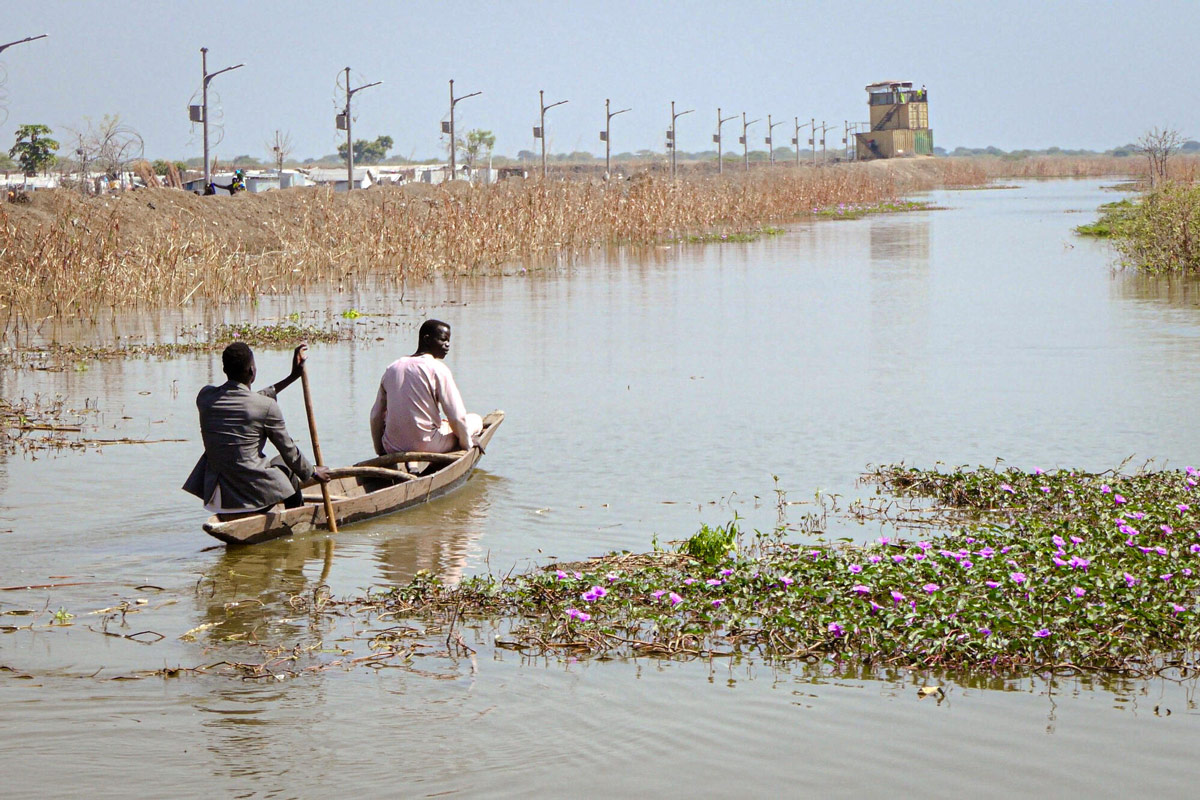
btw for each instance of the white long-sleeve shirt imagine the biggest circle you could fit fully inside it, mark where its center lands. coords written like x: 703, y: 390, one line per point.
x: 414, y: 393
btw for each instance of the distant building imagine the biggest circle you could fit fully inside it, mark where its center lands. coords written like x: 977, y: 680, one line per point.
x: 899, y: 122
x: 336, y: 178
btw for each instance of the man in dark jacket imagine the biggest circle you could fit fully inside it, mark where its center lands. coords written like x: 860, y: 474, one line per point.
x: 234, y: 477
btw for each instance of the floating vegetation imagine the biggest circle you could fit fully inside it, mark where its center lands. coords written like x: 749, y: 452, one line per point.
x: 727, y: 238
x: 1063, y: 571
x: 1113, y: 216
x: 63, y: 356
x: 859, y: 210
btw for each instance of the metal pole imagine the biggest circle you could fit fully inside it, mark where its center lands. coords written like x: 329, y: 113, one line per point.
x: 204, y: 112
x: 349, y: 140
x: 813, y: 141
x: 453, y: 146
x: 4, y: 47
x: 608, y: 115
x: 542, y: 124
x: 746, y: 141
x: 771, y: 137
x: 204, y: 105
x: 796, y: 140
x: 674, y: 148
x: 720, y: 157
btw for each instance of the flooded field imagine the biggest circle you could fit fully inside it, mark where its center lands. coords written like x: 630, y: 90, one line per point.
x: 647, y: 392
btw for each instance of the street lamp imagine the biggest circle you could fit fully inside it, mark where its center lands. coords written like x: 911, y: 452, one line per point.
x: 671, y: 135
x: 453, y: 101
x: 771, y: 139
x: 540, y: 131
x: 796, y: 138
x: 344, y: 119
x: 717, y: 138
x: 604, y: 137
x: 4, y: 47
x: 203, y: 110
x: 746, y: 147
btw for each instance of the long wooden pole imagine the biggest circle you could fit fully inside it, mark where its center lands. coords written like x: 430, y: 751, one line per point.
x: 312, y: 431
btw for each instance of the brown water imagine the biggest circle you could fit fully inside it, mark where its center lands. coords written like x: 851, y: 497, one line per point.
x: 647, y: 392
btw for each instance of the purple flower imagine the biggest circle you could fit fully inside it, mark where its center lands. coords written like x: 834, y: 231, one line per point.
x: 967, y: 564
x: 1079, y: 563
x: 578, y: 576
x: 1177, y: 609
x: 897, y: 597
x: 835, y: 629
x: 1076, y: 540
x: 924, y: 545
x: 992, y: 584
x: 918, y: 556
x: 855, y: 568
x: 814, y: 555
x: 1046, y: 489
x: 717, y: 603
x: 1118, y: 499
x: 1137, y: 515
x: 986, y: 552
x: 884, y: 540
x: 726, y: 572
x: 898, y: 558
x: 1058, y: 561
x: 1038, y: 471
x: 1130, y: 580
x: 875, y: 607
x: 1167, y: 529
x: 860, y: 589
x: 1162, y: 551
x: 986, y: 632
x: 562, y: 576
x: 786, y: 581
x: 1018, y: 577
x: 1104, y: 489
x: 1187, y: 572
x: 1183, y: 507
x: 675, y: 599
x: 714, y: 581
x: 930, y: 588
x: 1058, y: 540
x: 612, y: 576
x: 1078, y: 591
x: 1042, y: 634
x: 658, y: 593
x: 1195, y: 548
x: 688, y: 581
x: 575, y: 613
x: 875, y: 559
x: 1004, y: 487
x: 1167, y: 577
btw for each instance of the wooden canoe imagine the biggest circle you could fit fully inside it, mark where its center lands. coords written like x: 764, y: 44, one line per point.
x: 369, y: 489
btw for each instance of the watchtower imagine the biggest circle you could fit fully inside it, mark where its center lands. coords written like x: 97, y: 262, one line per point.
x: 899, y: 122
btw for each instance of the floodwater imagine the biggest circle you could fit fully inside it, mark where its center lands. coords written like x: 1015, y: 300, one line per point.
x: 647, y: 392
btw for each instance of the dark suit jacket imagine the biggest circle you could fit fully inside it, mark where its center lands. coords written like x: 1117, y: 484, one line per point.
x: 236, y: 423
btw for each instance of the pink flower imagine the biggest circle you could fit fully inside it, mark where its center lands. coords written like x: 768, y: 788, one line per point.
x: 726, y: 572
x: 1004, y: 487
x: 1076, y: 540
x: 875, y: 559
x: 835, y: 629
x: 992, y: 584
x: 575, y: 613
x: 1078, y: 591
x: 1177, y: 609
x: 578, y: 576
x: 1183, y: 507
x: 1046, y: 489
x: 1118, y: 499
x: 612, y: 576
x: 675, y: 599
x: 1058, y: 540
x: 786, y: 581
x: 924, y: 545
x: 688, y: 581
x: 1167, y: 529
x: 717, y: 603
x: 1018, y: 577
x: 1130, y: 580
x: 897, y: 597
x: 1042, y: 634
x: 560, y: 575
x: 658, y: 593
x: 855, y: 568
x: 1104, y: 489
x: 1038, y: 471
x: 860, y: 589
x: 1167, y: 577
x: 898, y: 558
x: 986, y: 552
x: 714, y: 581
x: 930, y: 588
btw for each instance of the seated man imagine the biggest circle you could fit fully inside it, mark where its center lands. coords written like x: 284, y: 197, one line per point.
x: 234, y: 477
x: 414, y: 393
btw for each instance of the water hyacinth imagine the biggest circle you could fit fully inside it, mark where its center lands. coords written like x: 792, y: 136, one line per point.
x: 1053, y: 582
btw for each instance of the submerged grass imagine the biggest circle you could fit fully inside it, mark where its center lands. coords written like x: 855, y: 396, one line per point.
x: 1067, y: 571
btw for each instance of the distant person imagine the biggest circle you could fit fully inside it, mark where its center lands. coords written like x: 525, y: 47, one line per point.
x: 234, y: 477
x: 414, y: 394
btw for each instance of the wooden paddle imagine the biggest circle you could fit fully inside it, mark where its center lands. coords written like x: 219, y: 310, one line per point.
x: 312, y: 430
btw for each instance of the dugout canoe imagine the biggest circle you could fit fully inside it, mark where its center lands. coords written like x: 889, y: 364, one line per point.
x: 370, y: 488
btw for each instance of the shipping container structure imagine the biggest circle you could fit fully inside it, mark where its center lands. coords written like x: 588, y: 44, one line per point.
x: 899, y: 122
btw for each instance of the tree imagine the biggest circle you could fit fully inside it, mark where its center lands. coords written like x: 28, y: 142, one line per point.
x: 368, y: 152
x: 476, y: 144
x: 34, y: 150
x: 281, y: 148
x: 1158, y: 146
x: 110, y: 145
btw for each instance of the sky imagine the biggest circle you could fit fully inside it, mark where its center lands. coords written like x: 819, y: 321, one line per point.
x: 1011, y: 74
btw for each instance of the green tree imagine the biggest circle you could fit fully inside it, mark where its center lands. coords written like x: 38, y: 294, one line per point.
x: 368, y: 152
x: 476, y: 145
x: 34, y: 150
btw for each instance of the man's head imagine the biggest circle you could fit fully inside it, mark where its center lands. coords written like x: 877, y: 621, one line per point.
x: 434, y: 338
x: 238, y: 362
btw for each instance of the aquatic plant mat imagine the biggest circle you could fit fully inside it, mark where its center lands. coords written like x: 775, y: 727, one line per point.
x: 1059, y: 573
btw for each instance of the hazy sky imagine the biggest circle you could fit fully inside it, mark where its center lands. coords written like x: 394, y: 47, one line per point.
x: 1011, y: 74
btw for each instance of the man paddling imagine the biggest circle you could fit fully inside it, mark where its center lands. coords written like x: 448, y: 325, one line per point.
x: 414, y: 393
x: 234, y: 477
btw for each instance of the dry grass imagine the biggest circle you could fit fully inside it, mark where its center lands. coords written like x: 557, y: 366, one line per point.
x: 70, y: 256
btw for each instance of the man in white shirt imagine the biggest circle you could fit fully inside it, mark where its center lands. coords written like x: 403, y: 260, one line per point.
x: 414, y: 393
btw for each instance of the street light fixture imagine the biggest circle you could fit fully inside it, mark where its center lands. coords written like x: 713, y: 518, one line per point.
x: 208, y: 76
x: 454, y: 100
x: 796, y: 138
x: 671, y: 135
x: 540, y: 131
x: 771, y: 139
x: 4, y: 47
x: 746, y: 147
x: 345, y: 120
x: 604, y: 137
x: 717, y: 138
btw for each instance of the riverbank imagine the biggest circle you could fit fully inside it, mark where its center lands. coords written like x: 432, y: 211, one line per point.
x: 67, y: 256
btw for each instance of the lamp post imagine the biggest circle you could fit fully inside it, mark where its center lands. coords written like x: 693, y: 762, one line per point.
x: 717, y: 138
x: 771, y: 139
x: 4, y: 47
x: 796, y: 138
x: 453, y: 101
x: 671, y: 135
x: 812, y: 141
x: 346, y: 121
x: 746, y: 147
x: 204, y: 106
x: 604, y: 137
x: 824, y: 128
x: 540, y: 131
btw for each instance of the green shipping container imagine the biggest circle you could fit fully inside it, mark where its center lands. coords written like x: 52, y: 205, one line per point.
x: 923, y: 142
